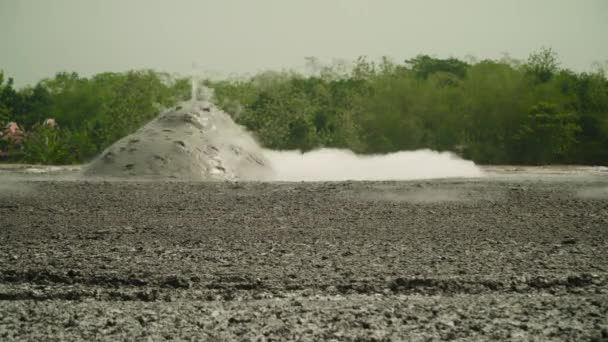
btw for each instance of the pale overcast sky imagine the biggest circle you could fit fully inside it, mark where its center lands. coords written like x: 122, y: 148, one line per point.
x: 40, y: 37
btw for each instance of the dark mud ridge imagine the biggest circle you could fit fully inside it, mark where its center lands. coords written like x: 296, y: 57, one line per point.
x: 360, y: 261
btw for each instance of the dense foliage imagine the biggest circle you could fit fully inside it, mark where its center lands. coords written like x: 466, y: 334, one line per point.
x: 496, y: 112
x: 493, y: 112
x: 91, y: 113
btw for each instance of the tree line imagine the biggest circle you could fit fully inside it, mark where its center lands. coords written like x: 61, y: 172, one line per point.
x: 491, y: 111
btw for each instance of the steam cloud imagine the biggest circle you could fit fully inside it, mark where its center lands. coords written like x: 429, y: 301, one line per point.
x: 342, y: 165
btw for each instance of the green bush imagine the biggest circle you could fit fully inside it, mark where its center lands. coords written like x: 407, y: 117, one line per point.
x: 47, y: 145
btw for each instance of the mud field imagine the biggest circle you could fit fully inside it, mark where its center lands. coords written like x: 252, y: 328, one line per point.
x: 503, y: 257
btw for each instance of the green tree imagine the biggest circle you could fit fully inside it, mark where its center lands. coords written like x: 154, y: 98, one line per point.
x: 548, y: 135
x: 542, y: 65
x: 282, y: 117
x: 9, y: 99
x: 5, y: 115
x: 494, y: 101
x: 35, y: 108
x: 424, y: 66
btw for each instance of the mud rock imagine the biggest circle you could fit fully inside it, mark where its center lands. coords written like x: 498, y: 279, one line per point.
x: 194, y: 141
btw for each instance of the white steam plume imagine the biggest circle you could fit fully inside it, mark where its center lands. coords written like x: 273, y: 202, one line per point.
x: 341, y: 165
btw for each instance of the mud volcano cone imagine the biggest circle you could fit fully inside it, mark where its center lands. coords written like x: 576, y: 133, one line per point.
x: 194, y: 141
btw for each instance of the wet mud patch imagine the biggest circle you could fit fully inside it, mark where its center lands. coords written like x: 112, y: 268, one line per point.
x: 420, y: 196
x: 426, y: 193
x: 11, y: 189
x: 593, y: 193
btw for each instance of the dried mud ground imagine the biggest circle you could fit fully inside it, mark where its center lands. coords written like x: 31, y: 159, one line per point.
x: 503, y: 257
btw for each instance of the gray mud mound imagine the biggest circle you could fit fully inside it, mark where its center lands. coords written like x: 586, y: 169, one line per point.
x: 195, y: 141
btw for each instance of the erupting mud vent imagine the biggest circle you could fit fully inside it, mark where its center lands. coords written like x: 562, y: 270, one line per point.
x: 194, y: 141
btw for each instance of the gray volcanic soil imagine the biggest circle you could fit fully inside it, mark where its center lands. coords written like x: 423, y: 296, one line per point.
x: 493, y: 258
x: 194, y: 141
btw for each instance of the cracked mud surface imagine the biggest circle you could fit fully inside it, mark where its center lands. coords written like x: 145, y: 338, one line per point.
x: 454, y: 259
